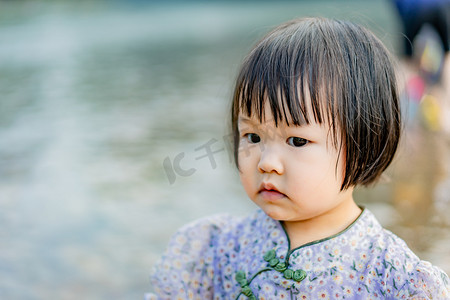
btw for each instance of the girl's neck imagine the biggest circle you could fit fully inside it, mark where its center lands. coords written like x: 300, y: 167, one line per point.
x: 322, y: 226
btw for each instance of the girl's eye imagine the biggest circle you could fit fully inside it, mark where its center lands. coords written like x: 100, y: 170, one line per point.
x: 253, y: 138
x: 297, y: 141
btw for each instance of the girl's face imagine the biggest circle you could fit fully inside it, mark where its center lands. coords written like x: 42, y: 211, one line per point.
x: 294, y: 173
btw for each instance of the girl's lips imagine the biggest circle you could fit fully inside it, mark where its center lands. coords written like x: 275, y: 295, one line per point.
x: 269, y: 192
x: 271, y: 195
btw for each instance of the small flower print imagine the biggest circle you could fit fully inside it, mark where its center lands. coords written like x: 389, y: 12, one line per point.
x: 336, y: 251
x: 196, y: 245
x: 308, y: 253
x: 303, y: 296
x: 180, y: 239
x: 185, y: 276
x: 307, y: 266
x: 228, y: 270
x: 274, y: 234
x: 285, y: 283
x: 323, y: 295
x: 174, y: 277
x: 337, y: 266
x: 177, y: 264
x: 409, y: 267
x: 283, y: 295
x: 195, y: 284
x: 352, y: 277
x: 359, y: 266
x: 267, y: 288
x: 364, y: 256
x: 338, y: 279
x: 359, y: 290
x: 348, y: 291
x: 228, y: 285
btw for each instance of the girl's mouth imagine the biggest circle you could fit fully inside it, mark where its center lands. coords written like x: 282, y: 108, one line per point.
x: 270, y: 193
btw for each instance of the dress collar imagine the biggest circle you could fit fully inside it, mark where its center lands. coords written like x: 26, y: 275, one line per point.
x: 274, y: 231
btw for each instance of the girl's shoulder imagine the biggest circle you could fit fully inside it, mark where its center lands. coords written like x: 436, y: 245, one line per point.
x: 406, y: 273
x: 193, y: 239
x: 420, y: 280
x: 187, y: 265
x: 430, y: 281
x: 212, y: 227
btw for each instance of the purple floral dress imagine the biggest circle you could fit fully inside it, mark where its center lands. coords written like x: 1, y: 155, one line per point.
x: 223, y: 257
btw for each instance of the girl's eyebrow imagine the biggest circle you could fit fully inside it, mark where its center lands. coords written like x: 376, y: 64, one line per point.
x: 251, y: 122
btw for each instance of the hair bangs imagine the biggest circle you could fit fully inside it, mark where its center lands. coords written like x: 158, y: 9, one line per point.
x: 285, y: 92
x: 283, y: 74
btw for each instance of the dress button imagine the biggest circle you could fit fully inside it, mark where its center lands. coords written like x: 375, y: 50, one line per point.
x: 247, y: 291
x: 288, y: 274
x: 280, y: 267
x: 271, y: 254
x: 299, y: 275
x: 273, y: 262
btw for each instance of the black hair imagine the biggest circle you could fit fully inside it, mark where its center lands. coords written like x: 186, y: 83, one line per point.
x: 350, y: 79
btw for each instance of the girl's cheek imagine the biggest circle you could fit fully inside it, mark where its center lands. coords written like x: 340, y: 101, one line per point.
x: 247, y: 152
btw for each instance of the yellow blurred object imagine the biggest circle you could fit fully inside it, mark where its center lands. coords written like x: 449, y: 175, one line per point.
x: 431, y: 59
x: 431, y: 112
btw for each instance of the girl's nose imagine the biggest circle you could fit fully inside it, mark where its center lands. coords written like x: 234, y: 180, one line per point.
x: 270, y: 162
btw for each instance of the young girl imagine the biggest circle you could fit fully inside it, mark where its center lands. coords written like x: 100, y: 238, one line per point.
x: 315, y: 113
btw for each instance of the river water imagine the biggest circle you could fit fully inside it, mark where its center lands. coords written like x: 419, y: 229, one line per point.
x: 98, y: 103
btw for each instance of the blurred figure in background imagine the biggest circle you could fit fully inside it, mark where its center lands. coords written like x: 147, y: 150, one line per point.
x: 415, y: 13
x: 426, y: 28
x: 425, y: 67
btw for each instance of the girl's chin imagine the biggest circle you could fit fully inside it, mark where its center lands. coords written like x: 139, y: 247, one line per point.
x: 274, y: 213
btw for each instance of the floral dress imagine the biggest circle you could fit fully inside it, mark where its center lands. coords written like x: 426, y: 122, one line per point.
x: 224, y: 257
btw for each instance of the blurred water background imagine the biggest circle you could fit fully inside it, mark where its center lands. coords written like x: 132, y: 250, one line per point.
x: 99, y: 102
